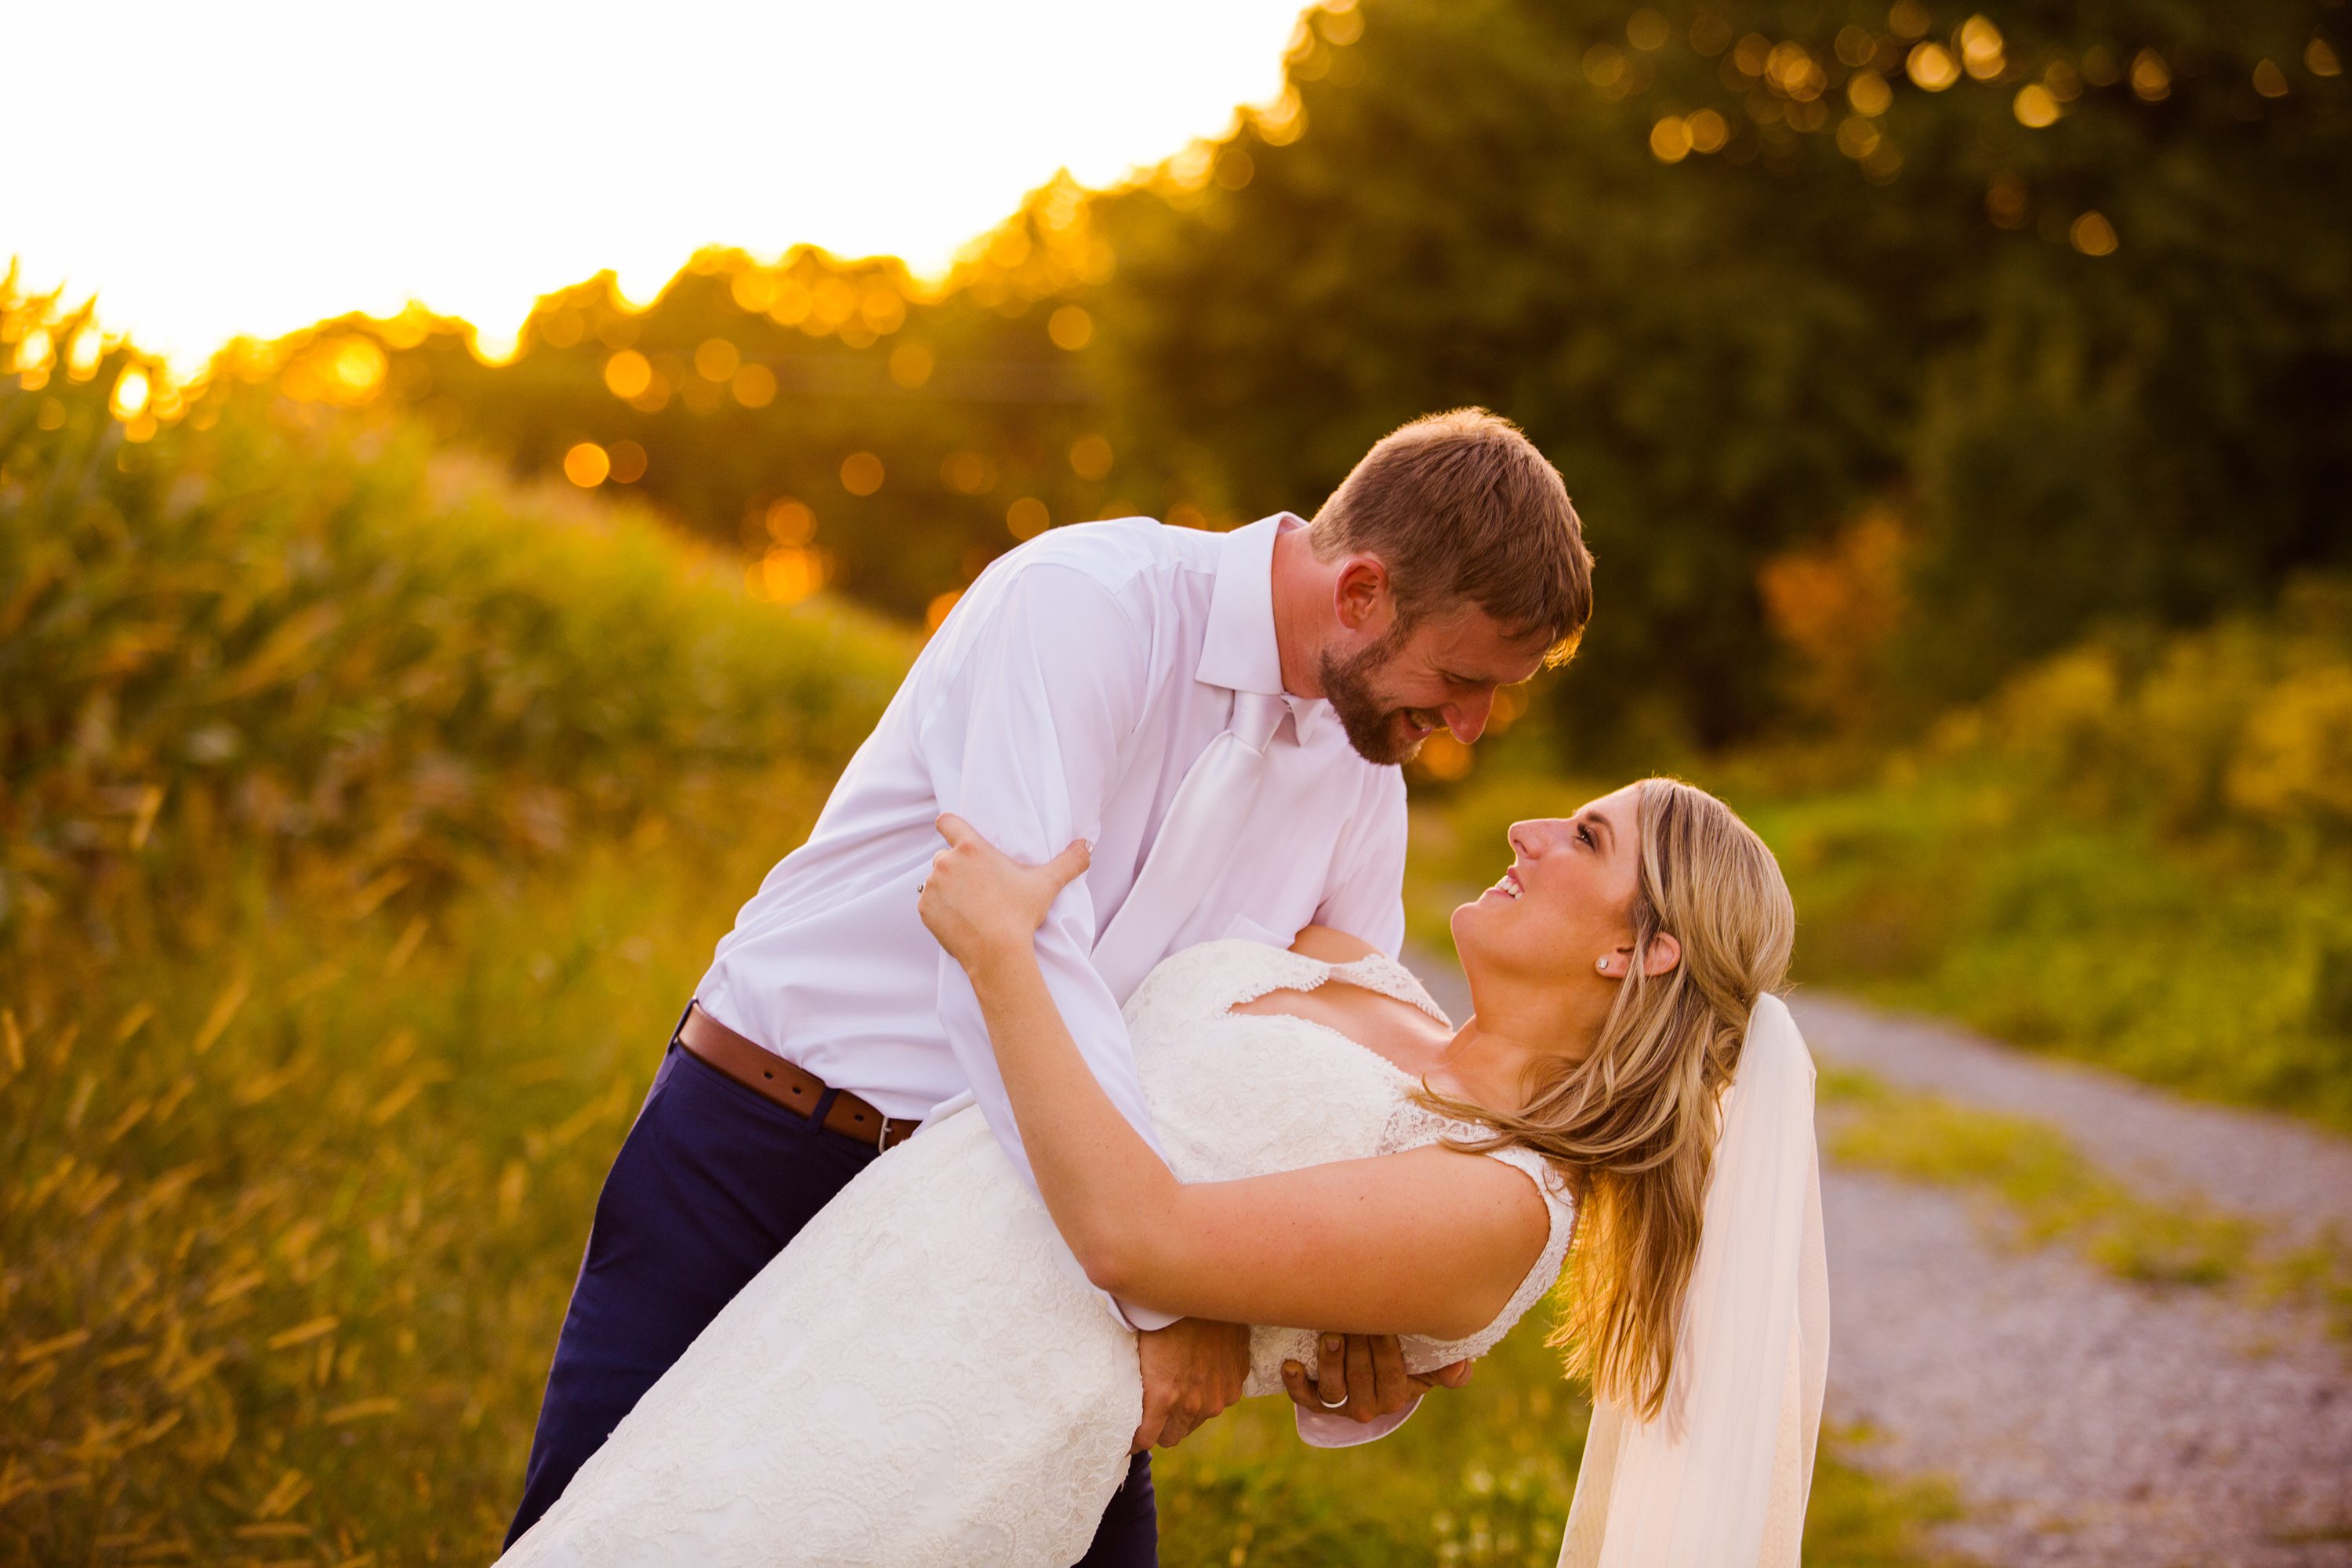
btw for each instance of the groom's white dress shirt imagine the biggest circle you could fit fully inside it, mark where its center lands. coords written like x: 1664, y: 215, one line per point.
x: 1066, y: 697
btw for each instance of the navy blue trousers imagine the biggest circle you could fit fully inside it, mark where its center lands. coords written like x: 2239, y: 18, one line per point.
x: 710, y: 1183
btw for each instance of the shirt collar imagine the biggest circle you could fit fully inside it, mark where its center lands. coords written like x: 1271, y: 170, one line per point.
x: 1239, y: 652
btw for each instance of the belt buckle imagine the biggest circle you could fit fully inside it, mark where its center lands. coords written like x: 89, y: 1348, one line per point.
x: 896, y: 1130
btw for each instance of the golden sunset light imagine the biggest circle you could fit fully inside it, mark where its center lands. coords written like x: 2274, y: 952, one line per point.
x: 249, y: 167
x: 678, y: 681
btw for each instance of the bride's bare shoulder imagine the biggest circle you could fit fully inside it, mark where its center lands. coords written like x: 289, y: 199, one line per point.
x: 1327, y: 945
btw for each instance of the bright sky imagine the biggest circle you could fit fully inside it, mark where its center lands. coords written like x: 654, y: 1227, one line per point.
x: 253, y: 165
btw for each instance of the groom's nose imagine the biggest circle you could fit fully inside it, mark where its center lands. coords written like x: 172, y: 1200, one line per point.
x: 1467, y: 718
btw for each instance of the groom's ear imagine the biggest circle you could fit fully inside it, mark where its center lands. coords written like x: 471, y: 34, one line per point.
x: 1663, y: 953
x: 1360, y: 592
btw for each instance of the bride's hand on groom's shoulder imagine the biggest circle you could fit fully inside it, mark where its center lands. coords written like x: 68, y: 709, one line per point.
x: 981, y: 904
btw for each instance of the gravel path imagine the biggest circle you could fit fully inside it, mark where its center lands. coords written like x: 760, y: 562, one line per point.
x: 2082, y: 1419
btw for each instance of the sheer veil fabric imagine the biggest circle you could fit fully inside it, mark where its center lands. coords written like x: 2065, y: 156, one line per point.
x: 1720, y: 1479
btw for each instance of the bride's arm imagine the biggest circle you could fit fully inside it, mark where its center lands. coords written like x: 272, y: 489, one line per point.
x: 1432, y: 1242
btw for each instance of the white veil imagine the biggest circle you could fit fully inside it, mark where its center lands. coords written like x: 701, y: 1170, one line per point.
x: 1720, y: 1479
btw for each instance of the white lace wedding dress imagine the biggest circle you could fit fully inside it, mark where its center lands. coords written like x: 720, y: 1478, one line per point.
x: 924, y: 1376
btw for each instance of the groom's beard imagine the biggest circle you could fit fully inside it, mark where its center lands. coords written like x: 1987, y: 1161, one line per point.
x: 1379, y: 732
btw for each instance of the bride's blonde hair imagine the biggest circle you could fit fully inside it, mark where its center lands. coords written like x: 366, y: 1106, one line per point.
x: 1633, y: 1124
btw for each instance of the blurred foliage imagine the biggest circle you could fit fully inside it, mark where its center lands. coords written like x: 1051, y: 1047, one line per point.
x: 361, y: 816
x: 2135, y: 851
x: 1884, y: 349
x: 260, y: 635
x: 2097, y: 365
x: 832, y: 416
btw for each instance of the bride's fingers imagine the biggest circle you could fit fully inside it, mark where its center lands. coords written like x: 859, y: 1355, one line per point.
x: 1070, y: 864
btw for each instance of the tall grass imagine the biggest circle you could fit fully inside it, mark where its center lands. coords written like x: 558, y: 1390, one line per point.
x: 366, y: 819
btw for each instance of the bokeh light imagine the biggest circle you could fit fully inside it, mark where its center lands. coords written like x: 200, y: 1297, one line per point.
x: 1090, y: 456
x: 1931, y: 66
x: 628, y: 374
x: 1070, y: 327
x: 754, y: 386
x: 912, y: 365
x: 129, y: 398
x: 967, y: 473
x: 861, y: 473
x: 1982, y: 49
x: 2093, y: 235
x: 789, y: 521
x: 1027, y: 518
x: 586, y: 465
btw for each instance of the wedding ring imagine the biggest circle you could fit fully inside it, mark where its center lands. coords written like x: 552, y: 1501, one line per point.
x: 1338, y: 1404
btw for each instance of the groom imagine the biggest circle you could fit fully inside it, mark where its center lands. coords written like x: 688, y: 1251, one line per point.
x: 1221, y: 716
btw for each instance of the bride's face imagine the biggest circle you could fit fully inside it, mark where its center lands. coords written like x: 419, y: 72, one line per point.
x: 1565, y: 900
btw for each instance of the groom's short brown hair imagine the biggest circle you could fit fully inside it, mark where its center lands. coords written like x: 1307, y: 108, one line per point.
x: 1461, y: 507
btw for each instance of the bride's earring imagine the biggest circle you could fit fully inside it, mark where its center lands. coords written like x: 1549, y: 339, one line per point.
x: 1602, y: 965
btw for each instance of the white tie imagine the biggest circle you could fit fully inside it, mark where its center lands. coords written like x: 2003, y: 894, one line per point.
x: 1195, y: 837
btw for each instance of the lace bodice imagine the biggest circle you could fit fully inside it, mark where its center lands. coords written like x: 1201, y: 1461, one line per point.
x: 924, y: 1379
x: 1247, y: 1094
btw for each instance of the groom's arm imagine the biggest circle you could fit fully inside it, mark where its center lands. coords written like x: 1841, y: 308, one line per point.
x: 1045, y: 685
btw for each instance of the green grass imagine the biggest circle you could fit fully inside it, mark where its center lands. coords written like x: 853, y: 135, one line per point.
x: 2043, y: 1186
x: 2216, y: 964
x: 2199, y: 964
x: 292, y: 1216
x: 1479, y: 1476
x: 366, y: 819
x: 1860, y: 1520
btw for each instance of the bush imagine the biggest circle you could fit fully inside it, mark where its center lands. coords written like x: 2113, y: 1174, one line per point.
x: 366, y: 821
x: 269, y: 636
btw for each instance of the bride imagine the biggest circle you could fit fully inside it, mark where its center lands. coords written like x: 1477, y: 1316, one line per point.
x: 929, y: 1374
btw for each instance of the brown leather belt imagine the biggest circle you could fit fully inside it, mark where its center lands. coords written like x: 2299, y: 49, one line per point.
x: 768, y: 1074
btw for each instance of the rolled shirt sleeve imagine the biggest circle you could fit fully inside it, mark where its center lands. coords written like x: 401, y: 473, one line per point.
x: 1366, y: 899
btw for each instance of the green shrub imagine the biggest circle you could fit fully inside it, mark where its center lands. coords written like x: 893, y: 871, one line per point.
x: 365, y: 820
x: 263, y: 633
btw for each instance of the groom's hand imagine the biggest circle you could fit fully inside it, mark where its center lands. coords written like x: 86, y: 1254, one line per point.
x: 1362, y: 1377
x: 1193, y: 1370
